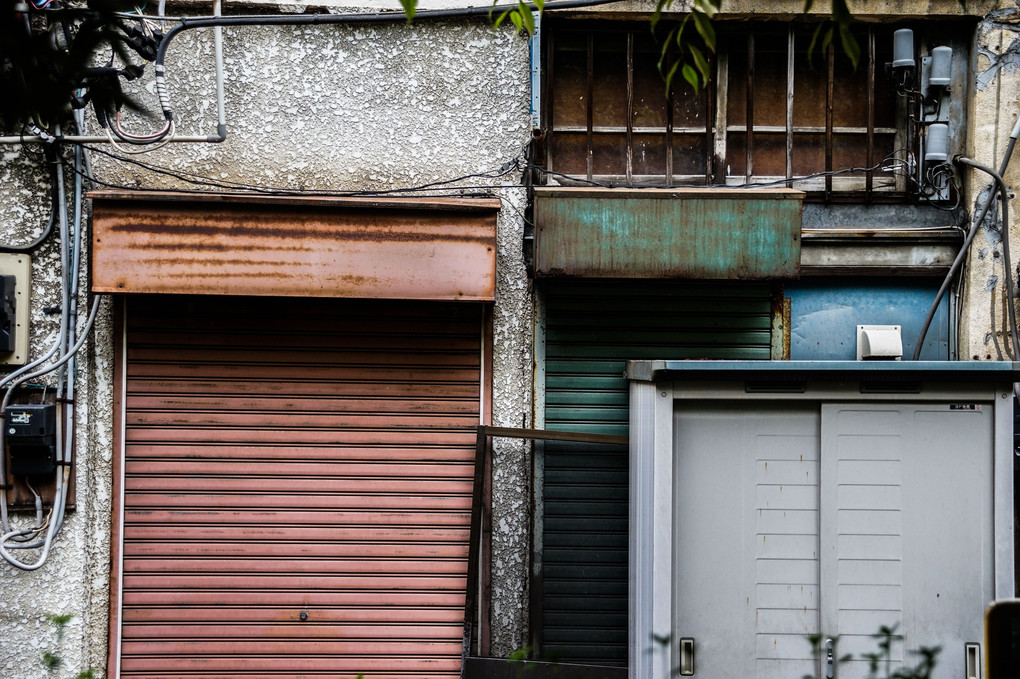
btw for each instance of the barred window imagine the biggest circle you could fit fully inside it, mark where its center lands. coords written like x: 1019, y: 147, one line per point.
x: 785, y: 117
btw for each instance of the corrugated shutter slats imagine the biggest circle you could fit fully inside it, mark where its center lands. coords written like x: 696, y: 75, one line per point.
x: 592, y: 329
x: 310, y: 456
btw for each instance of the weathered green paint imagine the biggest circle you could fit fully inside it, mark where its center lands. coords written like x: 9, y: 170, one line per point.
x: 668, y: 233
x: 592, y: 328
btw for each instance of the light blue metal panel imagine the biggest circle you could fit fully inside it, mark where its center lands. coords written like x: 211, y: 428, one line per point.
x: 825, y: 314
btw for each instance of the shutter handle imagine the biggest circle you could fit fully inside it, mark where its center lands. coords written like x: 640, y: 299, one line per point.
x: 830, y: 659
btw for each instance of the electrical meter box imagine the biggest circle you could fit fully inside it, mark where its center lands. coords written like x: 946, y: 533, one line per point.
x: 31, y: 434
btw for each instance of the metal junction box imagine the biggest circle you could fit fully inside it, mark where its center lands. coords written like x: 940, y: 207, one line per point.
x: 774, y: 501
x: 30, y: 433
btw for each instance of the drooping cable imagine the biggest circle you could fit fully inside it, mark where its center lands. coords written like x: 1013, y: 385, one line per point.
x: 1010, y: 293
x: 52, y: 162
x: 948, y: 280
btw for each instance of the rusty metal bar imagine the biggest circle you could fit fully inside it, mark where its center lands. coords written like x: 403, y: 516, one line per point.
x: 789, y: 104
x: 670, y: 103
x: 590, y: 110
x: 829, y: 93
x: 749, y: 149
x: 719, y: 137
x: 869, y: 177
x: 547, y: 103
x: 709, y: 99
x: 474, y: 545
x: 630, y: 107
x: 480, y: 511
x: 551, y: 435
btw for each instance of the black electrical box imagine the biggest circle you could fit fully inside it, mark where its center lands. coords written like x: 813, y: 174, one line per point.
x: 31, y: 434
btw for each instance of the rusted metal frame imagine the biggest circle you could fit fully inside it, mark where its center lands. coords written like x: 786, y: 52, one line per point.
x: 630, y: 107
x: 117, y: 509
x: 749, y: 134
x: 548, y: 124
x: 485, y: 627
x: 670, y: 103
x: 829, y: 93
x: 484, y: 636
x: 789, y: 104
x: 552, y: 435
x: 590, y: 105
x: 718, y: 136
x: 474, y: 548
x: 479, y: 540
x: 870, y: 151
x: 708, y: 97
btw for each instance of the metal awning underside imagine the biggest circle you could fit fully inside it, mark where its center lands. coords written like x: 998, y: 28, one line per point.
x: 971, y: 371
x: 230, y: 244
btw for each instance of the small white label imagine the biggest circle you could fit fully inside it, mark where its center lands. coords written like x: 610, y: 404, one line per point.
x: 21, y: 418
x: 964, y: 406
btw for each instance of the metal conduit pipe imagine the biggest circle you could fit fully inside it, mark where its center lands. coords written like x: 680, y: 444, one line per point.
x: 218, y: 21
x: 966, y: 245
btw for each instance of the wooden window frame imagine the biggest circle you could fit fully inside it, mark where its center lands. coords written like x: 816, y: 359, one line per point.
x: 864, y: 186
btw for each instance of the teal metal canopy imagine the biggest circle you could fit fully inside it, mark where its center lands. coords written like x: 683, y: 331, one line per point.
x: 668, y: 233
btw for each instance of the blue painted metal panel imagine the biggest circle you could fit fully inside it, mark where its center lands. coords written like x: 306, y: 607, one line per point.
x: 825, y: 314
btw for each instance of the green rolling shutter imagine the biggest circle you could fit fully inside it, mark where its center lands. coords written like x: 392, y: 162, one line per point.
x: 592, y: 329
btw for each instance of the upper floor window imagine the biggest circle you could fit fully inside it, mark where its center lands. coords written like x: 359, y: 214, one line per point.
x: 773, y: 113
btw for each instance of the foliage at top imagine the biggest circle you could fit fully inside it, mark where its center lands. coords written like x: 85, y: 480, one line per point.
x: 47, y: 58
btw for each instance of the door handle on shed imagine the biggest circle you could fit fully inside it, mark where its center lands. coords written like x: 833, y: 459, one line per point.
x: 687, y: 657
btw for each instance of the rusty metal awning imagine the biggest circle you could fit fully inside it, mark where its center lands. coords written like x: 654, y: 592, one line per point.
x: 668, y: 233
x: 231, y: 244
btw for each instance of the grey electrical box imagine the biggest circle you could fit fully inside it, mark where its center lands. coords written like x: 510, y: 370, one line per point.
x: 8, y: 306
x: 31, y: 434
x: 15, y: 274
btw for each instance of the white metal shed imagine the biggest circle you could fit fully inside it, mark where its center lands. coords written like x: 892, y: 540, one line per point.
x: 775, y: 501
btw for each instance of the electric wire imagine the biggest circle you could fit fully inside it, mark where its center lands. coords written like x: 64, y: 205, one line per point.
x: 964, y: 248
x: 1010, y: 292
x: 51, y: 162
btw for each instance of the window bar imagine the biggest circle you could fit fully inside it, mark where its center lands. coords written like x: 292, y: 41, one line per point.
x: 670, y: 102
x: 828, y: 120
x: 589, y: 106
x: 870, y: 175
x: 748, y: 134
x: 547, y: 120
x: 720, y: 138
x: 789, y: 104
x: 709, y: 100
x: 630, y: 108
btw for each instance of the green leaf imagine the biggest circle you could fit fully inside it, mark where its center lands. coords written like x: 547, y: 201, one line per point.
x: 705, y: 29
x: 701, y: 63
x: 500, y: 18
x: 827, y: 39
x: 850, y: 46
x: 527, y: 18
x: 669, y: 76
x: 660, y: 6
x: 707, y: 7
x: 808, y: 4
x: 691, y: 76
x: 540, y: 4
x: 410, y: 7
x: 518, y: 22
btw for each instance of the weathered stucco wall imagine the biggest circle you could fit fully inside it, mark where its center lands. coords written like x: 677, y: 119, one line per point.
x: 993, y: 111
x: 74, y: 578
x: 316, y: 109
